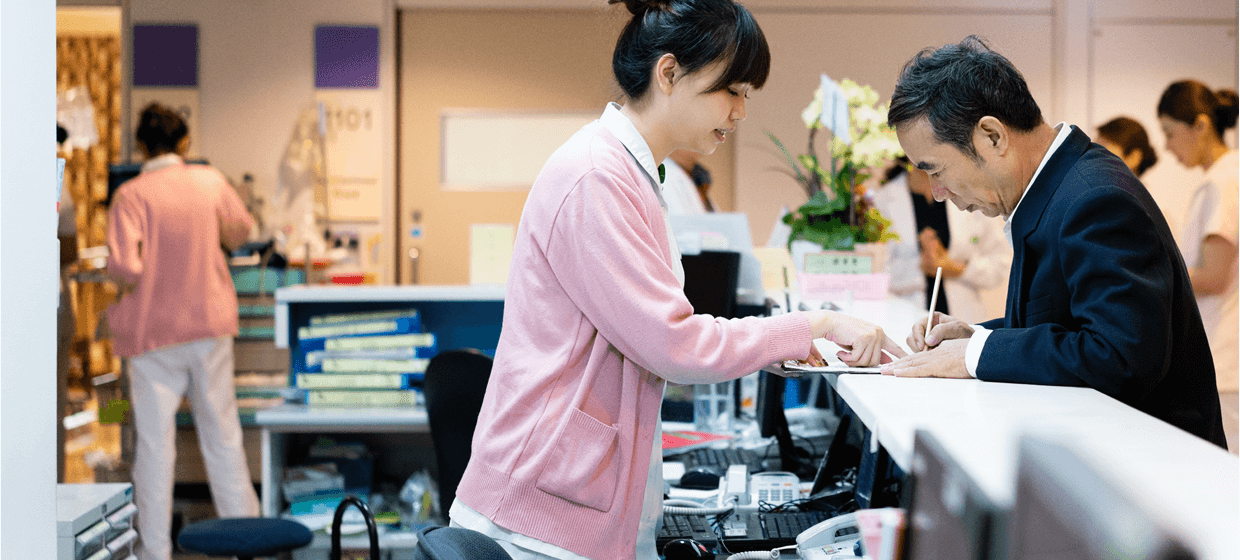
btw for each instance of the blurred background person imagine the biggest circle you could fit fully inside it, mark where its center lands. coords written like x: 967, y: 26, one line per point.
x: 175, y: 321
x: 686, y: 184
x: 1194, y: 118
x: 1126, y: 138
x: 969, y: 246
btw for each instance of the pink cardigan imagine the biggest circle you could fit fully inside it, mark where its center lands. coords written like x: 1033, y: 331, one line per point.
x: 164, y: 234
x: 594, y: 323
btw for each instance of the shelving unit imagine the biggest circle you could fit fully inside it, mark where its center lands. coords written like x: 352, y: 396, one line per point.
x: 460, y: 317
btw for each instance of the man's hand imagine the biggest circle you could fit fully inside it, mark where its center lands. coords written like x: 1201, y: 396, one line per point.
x: 947, y: 360
x: 942, y: 327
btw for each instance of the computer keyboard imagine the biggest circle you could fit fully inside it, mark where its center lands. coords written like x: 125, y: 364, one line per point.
x: 686, y: 526
x: 720, y: 459
x: 742, y: 531
x: 757, y: 530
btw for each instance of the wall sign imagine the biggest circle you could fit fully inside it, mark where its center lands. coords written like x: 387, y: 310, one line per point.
x: 346, y: 78
x: 165, y: 71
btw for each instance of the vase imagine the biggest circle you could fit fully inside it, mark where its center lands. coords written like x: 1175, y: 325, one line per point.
x: 799, y: 249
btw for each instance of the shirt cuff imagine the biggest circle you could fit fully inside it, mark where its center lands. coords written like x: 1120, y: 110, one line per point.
x: 973, y: 353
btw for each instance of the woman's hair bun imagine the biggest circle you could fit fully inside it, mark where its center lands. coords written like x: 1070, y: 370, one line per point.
x: 640, y: 7
x: 1226, y: 111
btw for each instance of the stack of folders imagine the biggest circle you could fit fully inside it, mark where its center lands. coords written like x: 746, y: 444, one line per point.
x: 364, y: 359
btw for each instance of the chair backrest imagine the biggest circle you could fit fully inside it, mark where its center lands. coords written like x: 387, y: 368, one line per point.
x: 456, y: 543
x: 455, y: 383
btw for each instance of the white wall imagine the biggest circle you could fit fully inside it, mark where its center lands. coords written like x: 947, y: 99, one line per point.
x: 256, y: 75
x: 28, y: 279
x: 1136, y: 50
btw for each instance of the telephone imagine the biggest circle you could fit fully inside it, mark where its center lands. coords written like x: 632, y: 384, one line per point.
x: 835, y: 536
x: 751, y: 491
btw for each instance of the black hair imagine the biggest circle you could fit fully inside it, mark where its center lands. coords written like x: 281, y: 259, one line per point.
x: 956, y: 85
x: 160, y: 129
x: 1186, y: 99
x: 696, y: 32
x: 1129, y: 135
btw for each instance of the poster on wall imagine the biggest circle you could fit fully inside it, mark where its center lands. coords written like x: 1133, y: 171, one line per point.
x: 354, y: 158
x: 165, y: 71
x: 346, y: 80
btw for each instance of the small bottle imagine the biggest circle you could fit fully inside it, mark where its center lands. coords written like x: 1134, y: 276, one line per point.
x: 712, y: 407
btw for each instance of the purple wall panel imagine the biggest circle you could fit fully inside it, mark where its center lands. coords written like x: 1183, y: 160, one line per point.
x: 346, y: 57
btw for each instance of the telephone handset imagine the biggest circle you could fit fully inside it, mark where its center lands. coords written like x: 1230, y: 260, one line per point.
x: 837, y: 535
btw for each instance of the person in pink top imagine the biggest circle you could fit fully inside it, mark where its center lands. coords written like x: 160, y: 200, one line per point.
x: 565, y: 460
x: 175, y: 321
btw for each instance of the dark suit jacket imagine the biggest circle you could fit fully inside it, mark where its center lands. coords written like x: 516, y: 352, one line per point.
x: 1099, y: 296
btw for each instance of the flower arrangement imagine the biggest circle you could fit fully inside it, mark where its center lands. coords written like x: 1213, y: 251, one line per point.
x: 837, y: 214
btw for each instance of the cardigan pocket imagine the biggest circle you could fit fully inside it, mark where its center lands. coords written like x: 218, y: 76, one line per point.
x: 585, y: 465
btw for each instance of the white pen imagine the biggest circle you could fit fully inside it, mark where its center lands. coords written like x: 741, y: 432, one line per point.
x: 934, y: 300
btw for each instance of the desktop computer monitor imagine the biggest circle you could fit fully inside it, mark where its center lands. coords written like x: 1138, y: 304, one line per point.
x: 118, y: 173
x: 948, y: 516
x: 723, y: 231
x: 711, y: 280
x: 1066, y: 509
x: 772, y: 422
x: 841, y: 456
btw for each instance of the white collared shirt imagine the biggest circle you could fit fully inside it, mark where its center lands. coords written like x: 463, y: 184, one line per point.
x: 973, y: 353
x: 159, y: 162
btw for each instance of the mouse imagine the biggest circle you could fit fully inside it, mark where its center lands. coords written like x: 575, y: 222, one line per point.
x: 685, y: 549
x: 700, y: 478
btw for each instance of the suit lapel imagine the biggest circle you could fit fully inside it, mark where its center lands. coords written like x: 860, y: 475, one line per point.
x: 1029, y: 214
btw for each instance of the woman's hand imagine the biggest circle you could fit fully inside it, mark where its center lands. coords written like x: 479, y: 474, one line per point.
x: 863, y: 342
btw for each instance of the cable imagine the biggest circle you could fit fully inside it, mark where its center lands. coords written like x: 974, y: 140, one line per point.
x: 761, y: 554
x: 689, y: 507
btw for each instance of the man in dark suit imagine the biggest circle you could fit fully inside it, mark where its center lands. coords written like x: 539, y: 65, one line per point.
x: 1098, y: 294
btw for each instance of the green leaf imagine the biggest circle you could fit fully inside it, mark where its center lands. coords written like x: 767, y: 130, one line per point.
x: 821, y: 204
x: 788, y: 156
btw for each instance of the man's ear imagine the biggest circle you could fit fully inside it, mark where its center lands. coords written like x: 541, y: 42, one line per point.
x: 666, y: 72
x: 991, y: 135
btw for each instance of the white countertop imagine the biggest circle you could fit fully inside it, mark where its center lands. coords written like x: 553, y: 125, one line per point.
x: 1190, y: 484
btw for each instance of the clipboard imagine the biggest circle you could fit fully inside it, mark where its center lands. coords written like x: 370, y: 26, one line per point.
x: 794, y: 366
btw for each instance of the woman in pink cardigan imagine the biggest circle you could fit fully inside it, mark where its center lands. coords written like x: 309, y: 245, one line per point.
x: 175, y: 322
x: 566, y: 458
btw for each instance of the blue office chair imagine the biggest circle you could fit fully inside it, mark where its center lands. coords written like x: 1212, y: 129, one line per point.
x: 454, y: 385
x: 456, y: 543
x: 244, y: 537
